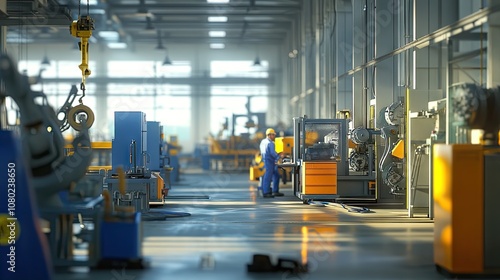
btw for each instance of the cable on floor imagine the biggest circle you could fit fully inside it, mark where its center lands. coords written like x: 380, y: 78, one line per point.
x: 353, y: 209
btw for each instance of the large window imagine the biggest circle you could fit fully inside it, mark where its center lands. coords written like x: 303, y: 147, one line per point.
x: 245, y: 68
x: 147, y: 69
x: 230, y: 100
x: 56, y: 69
x: 227, y: 101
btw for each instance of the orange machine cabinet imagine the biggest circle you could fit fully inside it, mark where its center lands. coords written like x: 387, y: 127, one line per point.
x: 458, y: 208
x: 319, y: 177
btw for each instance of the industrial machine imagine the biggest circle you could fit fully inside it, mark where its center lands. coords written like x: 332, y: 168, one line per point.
x: 19, y: 207
x: 144, y: 187
x: 465, y: 182
x: 425, y: 126
x: 318, y: 157
x: 320, y: 166
x: 391, y: 162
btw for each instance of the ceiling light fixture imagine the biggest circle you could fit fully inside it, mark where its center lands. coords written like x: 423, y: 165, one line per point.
x: 217, y: 19
x: 45, y: 61
x: 217, y: 33
x: 160, y: 42
x: 217, y: 46
x: 217, y: 1
x: 117, y: 45
x: 256, y: 62
x: 142, y: 7
x: 149, y: 23
x: 109, y: 35
x: 167, y: 60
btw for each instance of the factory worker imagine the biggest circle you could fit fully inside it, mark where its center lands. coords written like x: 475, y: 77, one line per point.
x: 270, y: 158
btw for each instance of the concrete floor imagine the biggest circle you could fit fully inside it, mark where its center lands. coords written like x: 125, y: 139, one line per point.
x: 224, y: 230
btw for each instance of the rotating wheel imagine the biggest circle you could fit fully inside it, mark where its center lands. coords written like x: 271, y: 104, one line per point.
x: 79, y: 115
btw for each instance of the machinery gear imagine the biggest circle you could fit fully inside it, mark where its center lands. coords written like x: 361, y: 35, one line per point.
x: 358, y: 161
x: 476, y: 108
x: 360, y: 135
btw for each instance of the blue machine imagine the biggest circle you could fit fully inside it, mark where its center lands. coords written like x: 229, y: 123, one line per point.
x: 23, y: 247
x: 118, y: 238
x: 129, y: 146
x: 154, y: 145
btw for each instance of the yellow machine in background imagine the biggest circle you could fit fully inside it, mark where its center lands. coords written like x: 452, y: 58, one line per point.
x: 173, y: 145
x: 101, y: 155
x: 285, y: 145
x: 257, y: 169
x: 234, y: 153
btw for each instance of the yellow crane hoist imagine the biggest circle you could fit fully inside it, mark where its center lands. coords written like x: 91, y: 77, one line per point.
x: 82, y: 28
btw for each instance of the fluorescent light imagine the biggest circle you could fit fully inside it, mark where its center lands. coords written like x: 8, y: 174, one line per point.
x: 117, y: 45
x: 109, y: 35
x: 91, y: 2
x: 217, y: 46
x: 217, y: 33
x: 217, y: 19
x: 217, y: 1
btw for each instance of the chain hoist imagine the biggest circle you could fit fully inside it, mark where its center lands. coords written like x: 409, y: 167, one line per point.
x: 82, y: 28
x: 81, y: 116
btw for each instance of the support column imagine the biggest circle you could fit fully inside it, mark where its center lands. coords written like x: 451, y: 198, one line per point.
x: 200, y: 102
x: 101, y: 128
x: 359, y: 47
x: 344, y: 54
x: 493, y: 55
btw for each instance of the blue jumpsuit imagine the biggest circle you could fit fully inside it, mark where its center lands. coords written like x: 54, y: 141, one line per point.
x: 270, y: 157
